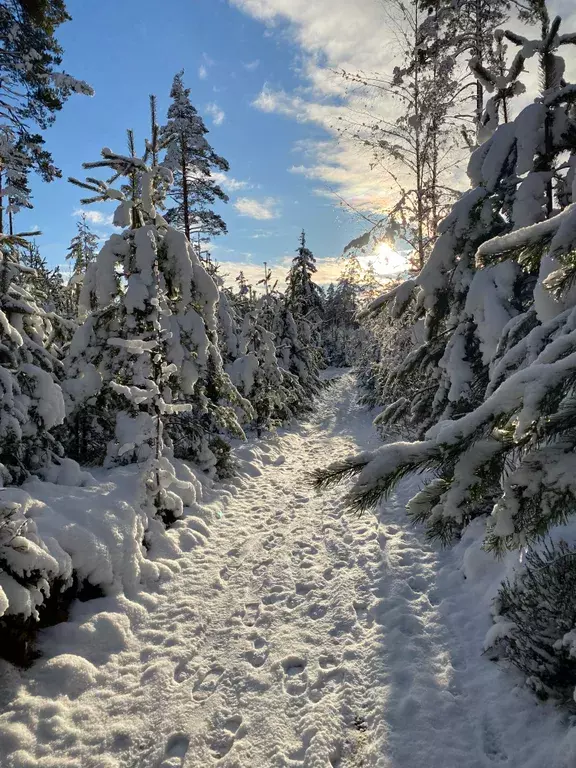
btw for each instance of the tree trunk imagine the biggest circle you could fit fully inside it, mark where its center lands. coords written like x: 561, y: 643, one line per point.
x: 183, y: 168
x: 1, y: 207
x: 478, y: 53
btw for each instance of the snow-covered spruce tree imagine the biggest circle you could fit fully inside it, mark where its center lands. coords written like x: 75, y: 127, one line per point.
x: 119, y: 381
x: 82, y: 252
x: 248, y: 349
x: 145, y: 355
x: 297, y: 352
x: 340, y: 332
x: 274, y: 394
x: 390, y: 335
x: 192, y: 161
x: 303, y: 296
x: 244, y: 299
x: 300, y: 325
x: 511, y: 452
x: 218, y: 407
x: 45, y: 285
x: 32, y: 403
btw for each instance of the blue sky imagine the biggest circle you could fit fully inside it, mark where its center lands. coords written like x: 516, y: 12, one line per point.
x: 129, y: 49
x: 262, y: 73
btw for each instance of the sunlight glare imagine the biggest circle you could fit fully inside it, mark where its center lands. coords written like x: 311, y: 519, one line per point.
x: 386, y: 260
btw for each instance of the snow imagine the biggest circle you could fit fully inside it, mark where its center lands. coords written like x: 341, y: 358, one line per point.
x: 274, y: 629
x: 242, y: 372
x: 488, y: 304
x: 50, y: 401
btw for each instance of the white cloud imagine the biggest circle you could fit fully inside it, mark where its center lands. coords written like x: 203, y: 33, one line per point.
x: 333, y: 35
x: 251, y: 66
x: 258, y: 234
x: 202, y: 72
x: 97, y: 218
x: 229, y: 183
x: 257, y: 209
x: 336, y: 35
x: 329, y: 270
x: 216, y: 113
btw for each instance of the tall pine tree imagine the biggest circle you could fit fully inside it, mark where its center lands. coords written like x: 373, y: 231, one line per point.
x: 32, y: 91
x: 192, y: 160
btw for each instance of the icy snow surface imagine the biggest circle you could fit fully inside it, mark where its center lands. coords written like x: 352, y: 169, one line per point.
x: 288, y: 634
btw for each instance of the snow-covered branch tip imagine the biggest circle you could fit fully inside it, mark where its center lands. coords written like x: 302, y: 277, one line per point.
x: 400, y: 296
x: 337, y: 472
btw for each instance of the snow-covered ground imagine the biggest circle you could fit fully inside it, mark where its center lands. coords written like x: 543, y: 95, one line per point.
x: 290, y: 634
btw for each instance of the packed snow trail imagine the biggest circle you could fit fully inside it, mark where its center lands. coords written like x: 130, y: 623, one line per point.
x: 297, y: 636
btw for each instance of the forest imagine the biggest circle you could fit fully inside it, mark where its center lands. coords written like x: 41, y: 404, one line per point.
x: 284, y: 521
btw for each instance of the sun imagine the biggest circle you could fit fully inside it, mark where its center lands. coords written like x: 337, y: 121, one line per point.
x: 386, y: 261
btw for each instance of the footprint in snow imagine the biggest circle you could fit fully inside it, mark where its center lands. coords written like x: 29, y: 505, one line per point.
x: 234, y: 552
x: 222, y: 738
x: 492, y: 742
x: 259, y: 653
x: 205, y: 685
x: 272, y: 540
x: 327, y: 661
x: 418, y: 584
x: 303, y: 549
x: 363, y: 613
x: 328, y: 574
x: 317, y: 611
x: 182, y: 672
x: 327, y: 681
x: 250, y: 614
x: 176, y: 750
x: 262, y: 567
x: 304, y: 587
x: 277, y: 594
x: 295, y: 679
x: 225, y: 573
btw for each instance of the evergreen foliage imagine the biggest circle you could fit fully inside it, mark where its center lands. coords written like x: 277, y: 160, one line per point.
x: 535, y: 621
x: 498, y: 316
x: 192, y: 161
x: 82, y: 253
x: 32, y: 92
x: 303, y: 296
x: 298, y: 326
x: 32, y: 402
x: 341, y: 336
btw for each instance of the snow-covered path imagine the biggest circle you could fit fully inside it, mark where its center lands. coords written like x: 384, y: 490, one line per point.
x: 296, y: 636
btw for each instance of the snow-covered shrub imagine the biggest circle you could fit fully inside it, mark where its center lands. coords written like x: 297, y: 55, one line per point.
x: 536, y: 618
x: 35, y: 575
x: 28, y: 564
x: 500, y: 351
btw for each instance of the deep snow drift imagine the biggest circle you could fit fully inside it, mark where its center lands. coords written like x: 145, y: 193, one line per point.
x: 284, y: 632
